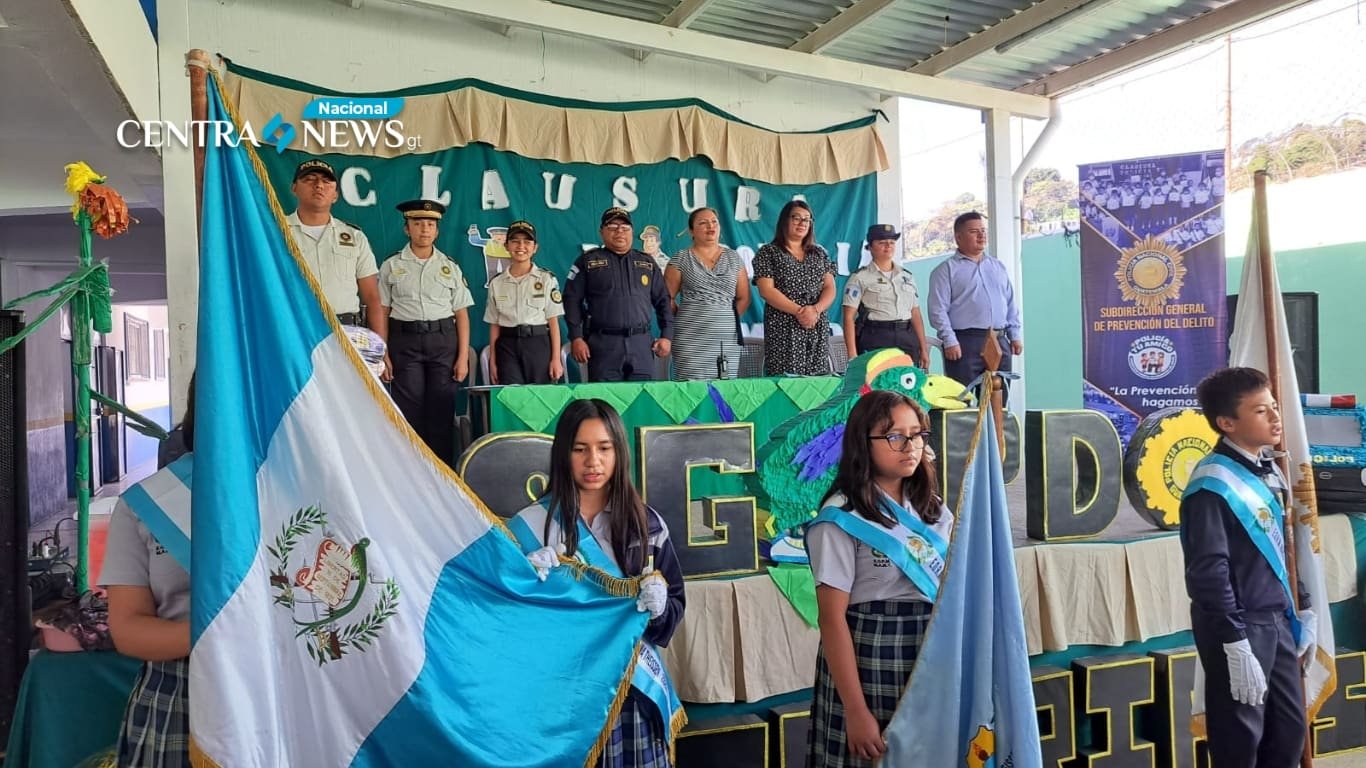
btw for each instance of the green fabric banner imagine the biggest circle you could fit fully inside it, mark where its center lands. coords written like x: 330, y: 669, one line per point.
x: 485, y: 189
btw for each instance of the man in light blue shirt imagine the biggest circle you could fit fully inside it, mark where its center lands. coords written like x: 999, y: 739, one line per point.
x: 971, y: 295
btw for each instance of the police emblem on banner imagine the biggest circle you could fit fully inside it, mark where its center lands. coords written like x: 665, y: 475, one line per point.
x: 1150, y: 273
x: 1152, y: 357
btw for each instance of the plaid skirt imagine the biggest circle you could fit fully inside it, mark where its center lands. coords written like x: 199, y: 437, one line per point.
x: 156, y: 722
x: 637, y: 739
x: 887, y: 637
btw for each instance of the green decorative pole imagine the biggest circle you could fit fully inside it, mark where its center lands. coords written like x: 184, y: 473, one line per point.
x: 87, y: 289
x: 81, y: 329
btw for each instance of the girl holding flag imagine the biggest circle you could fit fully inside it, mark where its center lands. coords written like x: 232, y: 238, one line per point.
x: 877, y: 551
x: 592, y: 513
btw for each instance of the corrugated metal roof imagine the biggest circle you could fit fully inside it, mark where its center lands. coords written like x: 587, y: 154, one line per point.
x: 909, y: 31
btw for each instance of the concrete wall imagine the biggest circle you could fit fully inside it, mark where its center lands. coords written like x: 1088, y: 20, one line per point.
x: 48, y: 366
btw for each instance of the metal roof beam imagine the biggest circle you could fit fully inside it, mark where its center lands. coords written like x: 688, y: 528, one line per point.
x: 1013, y: 28
x: 698, y: 46
x: 1198, y: 30
x: 686, y: 13
x: 824, y: 36
x: 683, y: 14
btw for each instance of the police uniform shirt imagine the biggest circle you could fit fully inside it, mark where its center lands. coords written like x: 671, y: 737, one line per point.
x: 338, y: 257
x: 615, y: 292
x: 422, y: 289
x: 532, y: 299
x: 887, y: 295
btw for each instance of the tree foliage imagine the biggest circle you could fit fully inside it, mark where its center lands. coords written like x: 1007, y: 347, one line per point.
x: 1048, y: 197
x: 1301, y: 152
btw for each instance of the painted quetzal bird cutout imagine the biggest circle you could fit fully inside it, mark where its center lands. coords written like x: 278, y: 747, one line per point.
x: 798, y: 463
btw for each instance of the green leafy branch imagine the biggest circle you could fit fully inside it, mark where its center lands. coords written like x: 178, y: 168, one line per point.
x: 363, y: 633
x: 298, y: 525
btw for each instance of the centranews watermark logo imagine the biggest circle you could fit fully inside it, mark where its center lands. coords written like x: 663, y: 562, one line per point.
x: 330, y: 124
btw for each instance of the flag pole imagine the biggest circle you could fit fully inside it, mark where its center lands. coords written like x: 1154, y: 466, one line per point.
x: 197, y: 63
x: 1270, y: 305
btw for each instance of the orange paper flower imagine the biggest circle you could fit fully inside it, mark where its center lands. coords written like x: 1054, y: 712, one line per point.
x: 107, y: 209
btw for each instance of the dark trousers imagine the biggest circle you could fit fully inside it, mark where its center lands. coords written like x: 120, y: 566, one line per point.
x: 899, y: 335
x: 522, y: 360
x: 424, y: 390
x: 971, y: 365
x: 1267, y: 736
x: 620, y: 358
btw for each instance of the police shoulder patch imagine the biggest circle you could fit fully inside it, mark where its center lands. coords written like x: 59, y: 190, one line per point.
x: 555, y: 295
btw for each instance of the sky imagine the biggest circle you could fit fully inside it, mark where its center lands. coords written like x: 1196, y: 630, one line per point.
x: 1305, y: 65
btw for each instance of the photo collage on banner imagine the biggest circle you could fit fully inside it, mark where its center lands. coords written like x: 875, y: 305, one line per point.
x: 1153, y: 282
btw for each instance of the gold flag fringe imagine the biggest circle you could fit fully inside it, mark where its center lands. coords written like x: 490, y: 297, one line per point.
x: 623, y: 688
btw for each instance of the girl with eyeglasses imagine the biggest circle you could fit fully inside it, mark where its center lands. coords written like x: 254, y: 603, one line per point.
x: 796, y: 280
x: 877, y: 551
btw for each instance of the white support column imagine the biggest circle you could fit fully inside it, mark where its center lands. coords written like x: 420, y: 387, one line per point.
x: 181, y: 225
x: 1003, y: 222
x: 889, y: 190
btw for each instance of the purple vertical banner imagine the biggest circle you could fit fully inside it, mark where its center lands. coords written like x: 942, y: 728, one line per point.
x: 1152, y: 282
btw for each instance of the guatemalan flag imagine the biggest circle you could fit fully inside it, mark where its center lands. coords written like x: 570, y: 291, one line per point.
x: 353, y: 603
x: 1249, y: 346
x: 970, y: 701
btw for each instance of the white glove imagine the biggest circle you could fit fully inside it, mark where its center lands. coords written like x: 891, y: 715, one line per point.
x: 1309, y: 632
x: 543, y: 560
x: 1245, y: 679
x: 654, y: 594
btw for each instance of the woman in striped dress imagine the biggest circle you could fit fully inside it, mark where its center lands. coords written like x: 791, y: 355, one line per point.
x: 710, y: 290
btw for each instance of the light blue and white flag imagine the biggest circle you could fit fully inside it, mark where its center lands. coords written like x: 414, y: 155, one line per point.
x: 353, y: 603
x: 970, y: 701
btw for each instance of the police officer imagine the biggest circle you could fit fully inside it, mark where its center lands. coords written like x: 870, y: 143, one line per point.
x: 523, y: 310
x: 607, y: 302
x: 425, y: 297
x: 338, y: 253
x: 881, y: 303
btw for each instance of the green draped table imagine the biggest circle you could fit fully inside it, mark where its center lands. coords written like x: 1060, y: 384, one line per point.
x: 70, y: 708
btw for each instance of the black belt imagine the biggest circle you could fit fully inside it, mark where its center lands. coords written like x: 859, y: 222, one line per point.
x: 633, y: 331
x: 349, y: 318
x: 422, y: 326
x: 893, y: 324
x: 523, y: 331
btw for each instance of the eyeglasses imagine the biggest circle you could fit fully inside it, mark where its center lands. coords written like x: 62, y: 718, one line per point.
x: 617, y: 227
x: 800, y: 219
x: 904, y: 443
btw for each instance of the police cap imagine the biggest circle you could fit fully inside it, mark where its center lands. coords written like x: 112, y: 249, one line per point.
x: 613, y: 214
x: 314, y: 165
x: 522, y: 227
x: 882, y: 232
x: 421, y: 209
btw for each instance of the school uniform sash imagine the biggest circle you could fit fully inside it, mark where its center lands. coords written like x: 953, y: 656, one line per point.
x: 162, y: 503
x: 1256, y: 509
x: 912, y: 545
x: 650, y: 677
